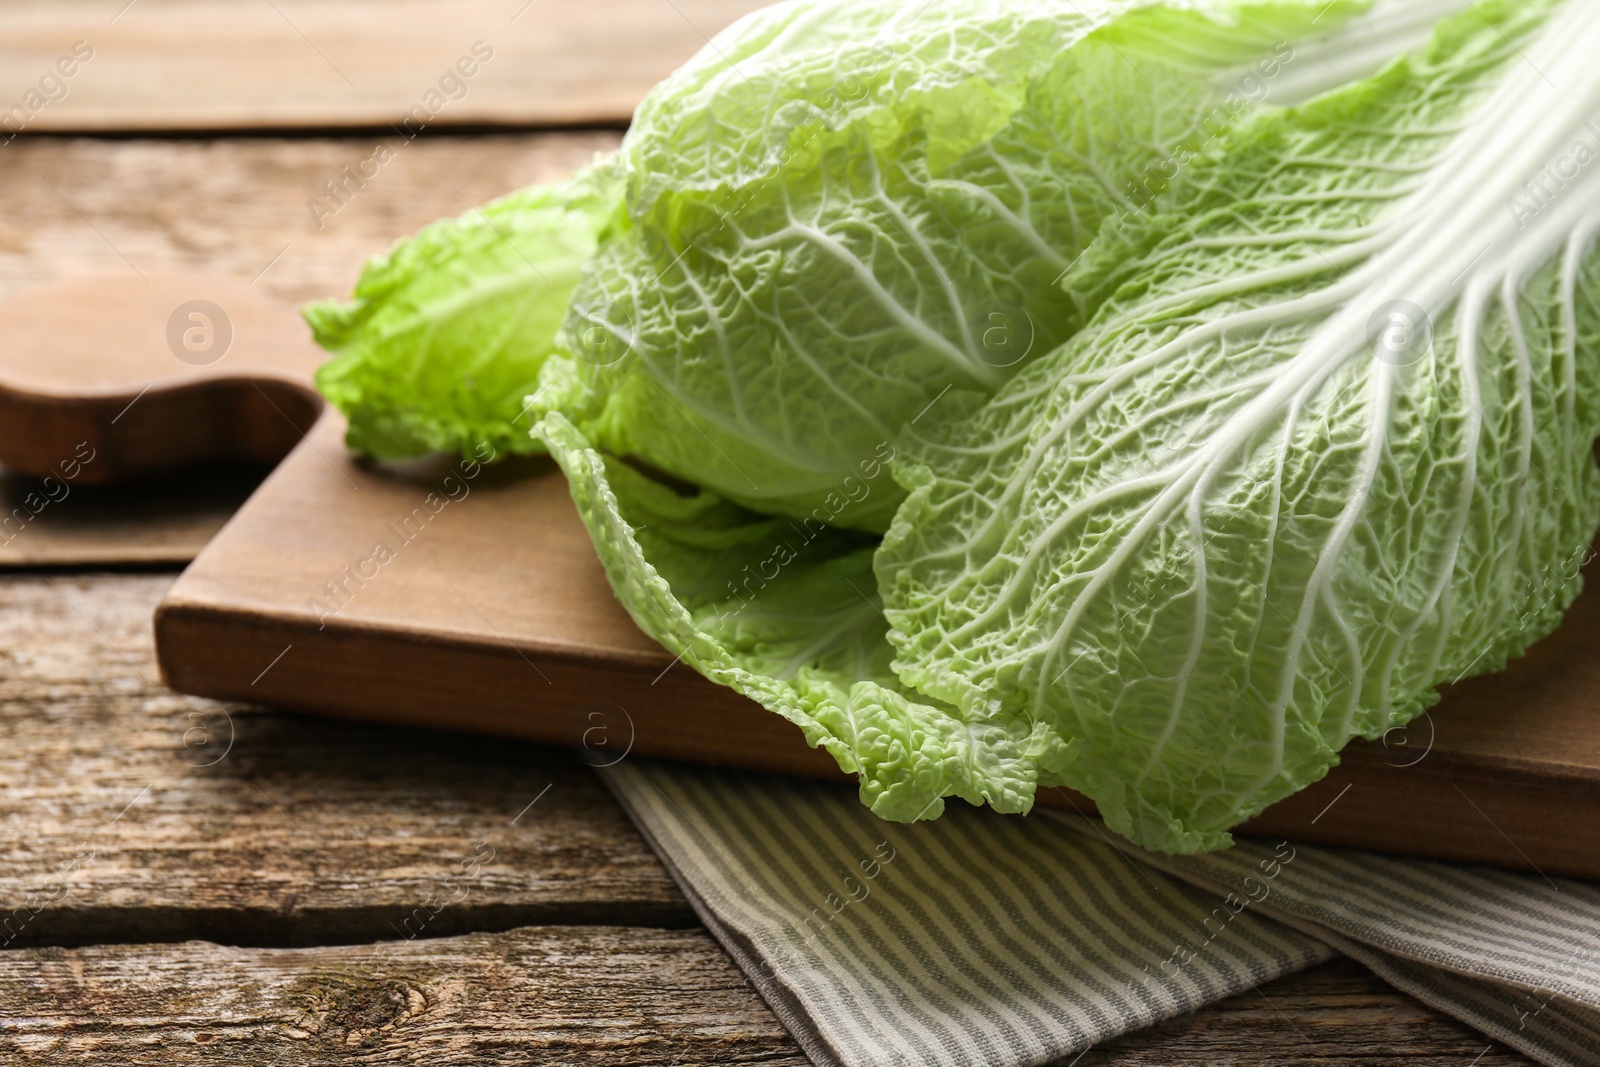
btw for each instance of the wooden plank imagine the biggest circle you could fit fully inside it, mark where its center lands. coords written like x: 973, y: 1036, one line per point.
x: 382, y: 812
x: 301, y: 831
x: 311, y: 831
x: 238, y: 208
x: 603, y: 995
x: 598, y: 995
x: 196, y: 64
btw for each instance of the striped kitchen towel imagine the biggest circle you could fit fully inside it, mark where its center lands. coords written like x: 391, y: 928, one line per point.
x: 985, y: 939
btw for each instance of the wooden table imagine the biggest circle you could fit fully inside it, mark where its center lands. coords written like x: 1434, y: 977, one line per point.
x: 247, y: 903
x: 186, y: 882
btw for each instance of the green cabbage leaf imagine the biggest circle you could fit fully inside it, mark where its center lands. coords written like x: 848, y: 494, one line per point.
x: 1327, y: 445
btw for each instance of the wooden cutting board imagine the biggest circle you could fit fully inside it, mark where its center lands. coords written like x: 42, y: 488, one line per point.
x: 461, y: 597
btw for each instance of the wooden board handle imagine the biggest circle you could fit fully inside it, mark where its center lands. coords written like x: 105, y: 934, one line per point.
x: 109, y: 378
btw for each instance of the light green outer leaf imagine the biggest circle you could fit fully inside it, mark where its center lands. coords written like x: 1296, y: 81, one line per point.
x: 807, y: 644
x: 1216, y: 536
x: 445, y: 336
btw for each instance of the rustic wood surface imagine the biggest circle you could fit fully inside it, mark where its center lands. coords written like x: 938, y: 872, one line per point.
x: 131, y: 814
x: 77, y: 206
x: 595, y: 995
x: 198, y: 64
x: 309, y: 831
x: 301, y: 831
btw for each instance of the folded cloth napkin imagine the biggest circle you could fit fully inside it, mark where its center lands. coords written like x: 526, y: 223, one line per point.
x: 990, y: 939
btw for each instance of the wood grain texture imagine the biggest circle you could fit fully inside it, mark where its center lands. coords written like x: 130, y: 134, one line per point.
x: 303, y: 831
x: 600, y: 995
x: 604, y: 995
x: 311, y: 831
x: 490, y: 614
x: 238, y: 208
x: 197, y: 64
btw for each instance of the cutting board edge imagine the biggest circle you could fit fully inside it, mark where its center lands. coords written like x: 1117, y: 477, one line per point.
x: 363, y: 674
x: 380, y: 675
x: 196, y: 591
